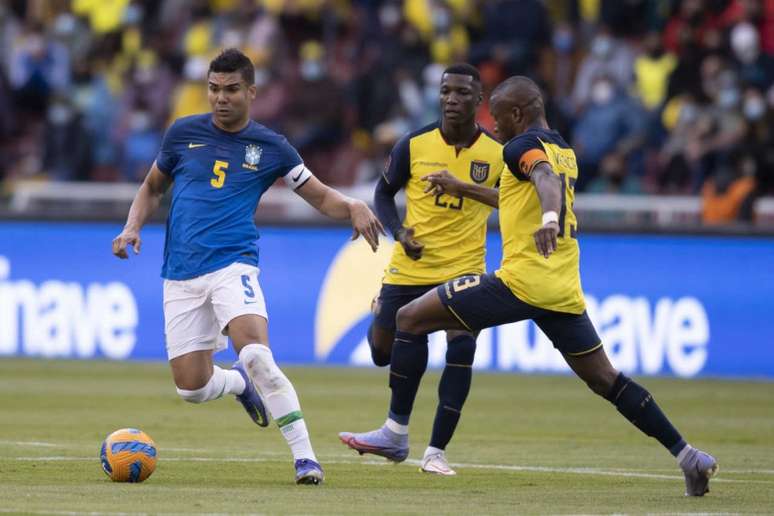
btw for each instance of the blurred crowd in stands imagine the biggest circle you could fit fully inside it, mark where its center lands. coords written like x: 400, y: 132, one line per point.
x: 656, y: 96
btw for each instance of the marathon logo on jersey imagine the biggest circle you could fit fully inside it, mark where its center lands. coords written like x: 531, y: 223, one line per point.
x: 479, y: 171
x: 252, y: 157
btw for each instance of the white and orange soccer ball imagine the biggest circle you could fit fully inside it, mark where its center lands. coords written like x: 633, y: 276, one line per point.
x: 128, y: 455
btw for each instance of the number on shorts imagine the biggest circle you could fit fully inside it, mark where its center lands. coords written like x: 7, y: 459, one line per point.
x: 465, y: 283
x: 249, y: 292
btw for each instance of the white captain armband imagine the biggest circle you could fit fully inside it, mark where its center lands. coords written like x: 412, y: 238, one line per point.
x: 297, y: 177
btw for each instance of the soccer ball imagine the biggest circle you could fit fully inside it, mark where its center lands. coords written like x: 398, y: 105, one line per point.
x: 128, y: 455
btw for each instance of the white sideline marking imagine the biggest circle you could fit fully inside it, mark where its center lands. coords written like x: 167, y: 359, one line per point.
x: 92, y: 446
x: 101, y: 513
x: 345, y: 459
x: 32, y: 443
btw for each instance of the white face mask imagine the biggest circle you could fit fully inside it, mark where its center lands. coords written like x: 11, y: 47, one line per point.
x: 441, y: 19
x: 602, y: 93
x: 389, y: 16
x: 688, y: 113
x: 311, y: 70
x: 602, y: 46
x: 754, y: 108
x: 139, y: 121
x: 60, y: 114
x: 728, y: 98
x: 261, y: 77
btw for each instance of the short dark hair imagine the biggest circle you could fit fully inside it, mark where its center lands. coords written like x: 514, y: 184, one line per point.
x: 233, y: 60
x: 463, y: 69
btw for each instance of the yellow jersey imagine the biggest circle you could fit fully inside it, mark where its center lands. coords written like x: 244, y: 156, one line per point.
x: 552, y: 283
x: 452, y: 229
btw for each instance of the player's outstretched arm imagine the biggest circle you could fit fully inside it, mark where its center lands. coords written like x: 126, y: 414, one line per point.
x: 442, y: 182
x: 334, y: 204
x: 549, y: 190
x: 145, y: 203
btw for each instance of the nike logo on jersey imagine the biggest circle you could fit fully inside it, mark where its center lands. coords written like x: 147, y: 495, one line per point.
x: 195, y: 145
x: 250, y: 302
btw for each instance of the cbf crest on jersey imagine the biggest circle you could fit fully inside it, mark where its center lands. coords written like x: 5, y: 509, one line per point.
x: 252, y: 156
x: 479, y: 171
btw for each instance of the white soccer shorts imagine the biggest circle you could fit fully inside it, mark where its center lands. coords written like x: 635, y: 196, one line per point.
x: 197, y: 310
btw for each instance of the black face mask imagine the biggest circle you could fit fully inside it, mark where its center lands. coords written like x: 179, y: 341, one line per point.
x: 655, y: 53
x: 695, y: 19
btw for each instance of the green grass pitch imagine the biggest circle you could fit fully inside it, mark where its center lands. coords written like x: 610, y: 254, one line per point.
x: 526, y: 444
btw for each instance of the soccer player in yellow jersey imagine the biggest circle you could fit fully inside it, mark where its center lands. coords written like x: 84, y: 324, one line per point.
x: 538, y: 279
x: 449, y: 171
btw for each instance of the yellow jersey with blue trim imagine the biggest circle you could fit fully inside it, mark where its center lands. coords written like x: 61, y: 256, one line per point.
x: 452, y: 229
x: 552, y: 283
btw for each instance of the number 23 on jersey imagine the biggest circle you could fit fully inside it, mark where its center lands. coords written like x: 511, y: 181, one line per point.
x: 219, y: 169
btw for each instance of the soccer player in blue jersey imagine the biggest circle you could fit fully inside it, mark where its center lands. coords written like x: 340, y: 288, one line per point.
x: 219, y: 164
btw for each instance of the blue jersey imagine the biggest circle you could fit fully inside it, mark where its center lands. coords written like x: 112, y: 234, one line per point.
x: 219, y: 178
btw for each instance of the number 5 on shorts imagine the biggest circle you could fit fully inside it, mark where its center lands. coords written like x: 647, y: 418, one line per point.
x: 249, y: 292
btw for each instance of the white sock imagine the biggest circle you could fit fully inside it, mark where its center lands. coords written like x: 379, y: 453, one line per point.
x: 280, y: 398
x: 396, y: 427
x: 235, y: 384
x: 681, y: 456
x: 432, y: 451
x: 221, y: 382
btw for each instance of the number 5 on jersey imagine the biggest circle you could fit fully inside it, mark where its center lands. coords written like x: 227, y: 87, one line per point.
x: 219, y: 169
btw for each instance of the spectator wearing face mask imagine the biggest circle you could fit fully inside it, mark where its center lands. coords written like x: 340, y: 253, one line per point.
x: 759, y: 13
x: 315, y: 118
x: 38, y: 68
x: 755, y: 67
x: 652, y: 71
x: 614, y: 179
x: 608, y: 56
x: 758, y: 142
x: 140, y: 144
x: 708, y: 129
x: 514, y: 34
x: 66, y: 155
x: 613, y: 123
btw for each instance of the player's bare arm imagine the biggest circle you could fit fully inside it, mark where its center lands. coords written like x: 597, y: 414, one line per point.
x: 549, y: 190
x: 443, y: 182
x: 334, y: 204
x: 145, y: 203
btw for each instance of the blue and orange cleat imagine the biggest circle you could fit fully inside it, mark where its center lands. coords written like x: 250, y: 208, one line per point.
x: 308, y: 472
x: 698, y: 467
x: 250, y: 399
x: 383, y: 442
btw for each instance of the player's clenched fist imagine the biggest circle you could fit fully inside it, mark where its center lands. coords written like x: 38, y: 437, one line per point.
x: 127, y: 237
x: 412, y: 247
x: 545, y: 239
x: 365, y: 223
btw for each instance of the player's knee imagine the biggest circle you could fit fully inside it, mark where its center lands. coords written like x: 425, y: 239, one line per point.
x: 380, y: 345
x: 461, y: 349
x: 602, y: 382
x: 259, y: 362
x: 407, y: 318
